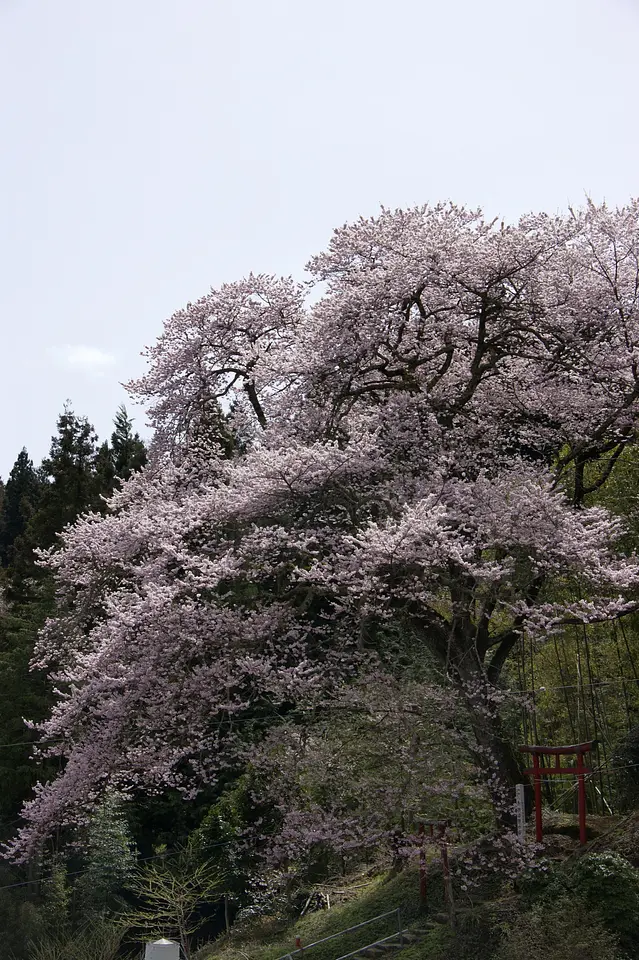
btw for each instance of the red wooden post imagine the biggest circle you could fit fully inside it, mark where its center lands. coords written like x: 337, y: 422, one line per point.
x: 582, y: 797
x: 422, y: 864
x: 537, y: 780
x: 298, y: 943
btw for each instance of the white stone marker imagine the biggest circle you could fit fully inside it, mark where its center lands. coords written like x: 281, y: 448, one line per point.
x: 162, y: 950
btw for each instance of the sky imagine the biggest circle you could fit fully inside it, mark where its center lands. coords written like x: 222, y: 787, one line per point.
x: 150, y: 149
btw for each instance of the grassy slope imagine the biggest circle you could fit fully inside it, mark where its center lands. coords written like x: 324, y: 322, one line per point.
x: 266, y: 940
x: 477, y: 921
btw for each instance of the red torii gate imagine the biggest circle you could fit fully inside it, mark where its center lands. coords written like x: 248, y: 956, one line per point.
x: 575, y: 749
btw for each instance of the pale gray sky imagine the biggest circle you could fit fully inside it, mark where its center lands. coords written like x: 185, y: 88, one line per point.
x: 152, y: 148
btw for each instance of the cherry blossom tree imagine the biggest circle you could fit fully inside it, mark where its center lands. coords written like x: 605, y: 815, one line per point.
x: 419, y: 432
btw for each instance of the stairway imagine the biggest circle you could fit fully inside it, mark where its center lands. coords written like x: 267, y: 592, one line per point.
x: 394, y: 944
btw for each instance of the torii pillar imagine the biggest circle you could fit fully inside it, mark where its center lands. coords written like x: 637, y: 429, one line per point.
x: 575, y: 749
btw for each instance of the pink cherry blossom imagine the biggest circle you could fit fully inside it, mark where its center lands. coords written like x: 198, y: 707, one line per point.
x: 422, y: 427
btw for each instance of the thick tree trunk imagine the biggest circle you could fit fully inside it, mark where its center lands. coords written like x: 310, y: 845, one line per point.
x: 494, y: 753
x: 475, y: 676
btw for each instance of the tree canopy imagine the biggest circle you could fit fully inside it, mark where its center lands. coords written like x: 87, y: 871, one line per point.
x: 420, y: 431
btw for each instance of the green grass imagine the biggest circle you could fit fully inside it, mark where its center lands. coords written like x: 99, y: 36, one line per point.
x: 261, y: 941
x: 269, y: 939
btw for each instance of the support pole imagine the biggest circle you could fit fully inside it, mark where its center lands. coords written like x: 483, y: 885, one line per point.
x: 448, y: 886
x: 422, y: 865
x: 537, y: 780
x: 582, y: 798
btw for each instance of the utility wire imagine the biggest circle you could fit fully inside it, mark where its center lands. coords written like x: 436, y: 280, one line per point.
x: 226, y: 843
x: 575, y: 686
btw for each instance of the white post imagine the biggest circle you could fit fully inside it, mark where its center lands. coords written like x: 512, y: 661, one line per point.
x: 520, y: 807
x: 162, y: 950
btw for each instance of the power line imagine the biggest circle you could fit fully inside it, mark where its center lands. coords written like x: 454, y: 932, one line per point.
x: 226, y: 843
x: 602, y: 768
x: 578, y: 686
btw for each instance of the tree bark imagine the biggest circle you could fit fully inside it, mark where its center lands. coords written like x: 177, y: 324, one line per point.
x: 455, y: 645
x: 494, y: 752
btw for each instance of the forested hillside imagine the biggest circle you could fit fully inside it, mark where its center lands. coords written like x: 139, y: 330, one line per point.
x: 385, y: 535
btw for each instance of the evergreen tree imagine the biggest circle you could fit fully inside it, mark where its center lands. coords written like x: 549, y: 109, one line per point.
x: 128, y: 450
x: 71, y: 484
x: 109, y: 859
x: 37, y: 505
x: 105, y: 472
x: 123, y: 456
x: 21, y: 496
x: 26, y: 693
x: 25, y: 606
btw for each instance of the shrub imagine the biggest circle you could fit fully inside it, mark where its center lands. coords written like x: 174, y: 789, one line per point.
x: 565, y: 930
x: 609, y: 885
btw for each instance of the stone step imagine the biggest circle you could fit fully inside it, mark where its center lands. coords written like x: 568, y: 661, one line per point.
x: 408, y: 938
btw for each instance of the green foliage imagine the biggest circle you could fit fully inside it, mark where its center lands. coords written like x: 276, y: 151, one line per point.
x: 605, y: 884
x: 618, y: 494
x: 609, y: 886
x: 545, y: 883
x: 104, y: 472
x: 56, y: 908
x: 224, y: 821
x: 172, y: 893
x: 563, y: 930
x: 101, y: 940
x: 20, y: 498
x: 70, y: 486
x: 475, y: 937
x: 124, y: 456
x: 20, y: 917
x: 128, y: 451
x: 109, y: 860
x: 26, y: 693
x: 166, y: 820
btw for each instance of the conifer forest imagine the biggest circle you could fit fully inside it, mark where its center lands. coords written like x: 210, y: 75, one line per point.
x: 267, y: 676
